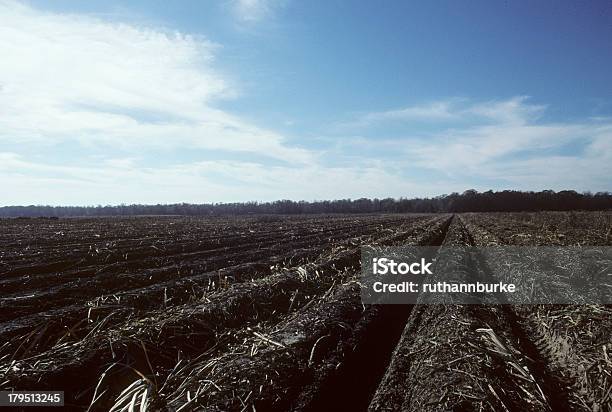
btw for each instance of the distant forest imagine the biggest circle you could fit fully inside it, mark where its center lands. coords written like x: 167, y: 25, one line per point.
x: 468, y: 201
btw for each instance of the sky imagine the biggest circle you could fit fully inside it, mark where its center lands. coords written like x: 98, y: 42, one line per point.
x: 150, y: 101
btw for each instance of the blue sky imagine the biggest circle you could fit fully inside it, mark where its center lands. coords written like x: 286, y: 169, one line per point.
x: 151, y: 101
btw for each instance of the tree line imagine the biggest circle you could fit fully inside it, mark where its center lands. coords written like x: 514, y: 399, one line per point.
x: 468, y: 201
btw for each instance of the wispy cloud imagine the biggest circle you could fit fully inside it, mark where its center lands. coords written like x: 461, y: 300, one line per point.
x: 92, y: 82
x: 510, y: 111
x: 208, y: 181
x: 519, y: 154
x: 503, y: 142
x: 432, y: 111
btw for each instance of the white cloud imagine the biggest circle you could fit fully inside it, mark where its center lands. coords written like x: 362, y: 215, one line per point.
x: 432, y: 111
x: 501, y: 143
x: 511, y: 111
x: 73, y: 78
x: 29, y: 182
x: 468, y: 148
